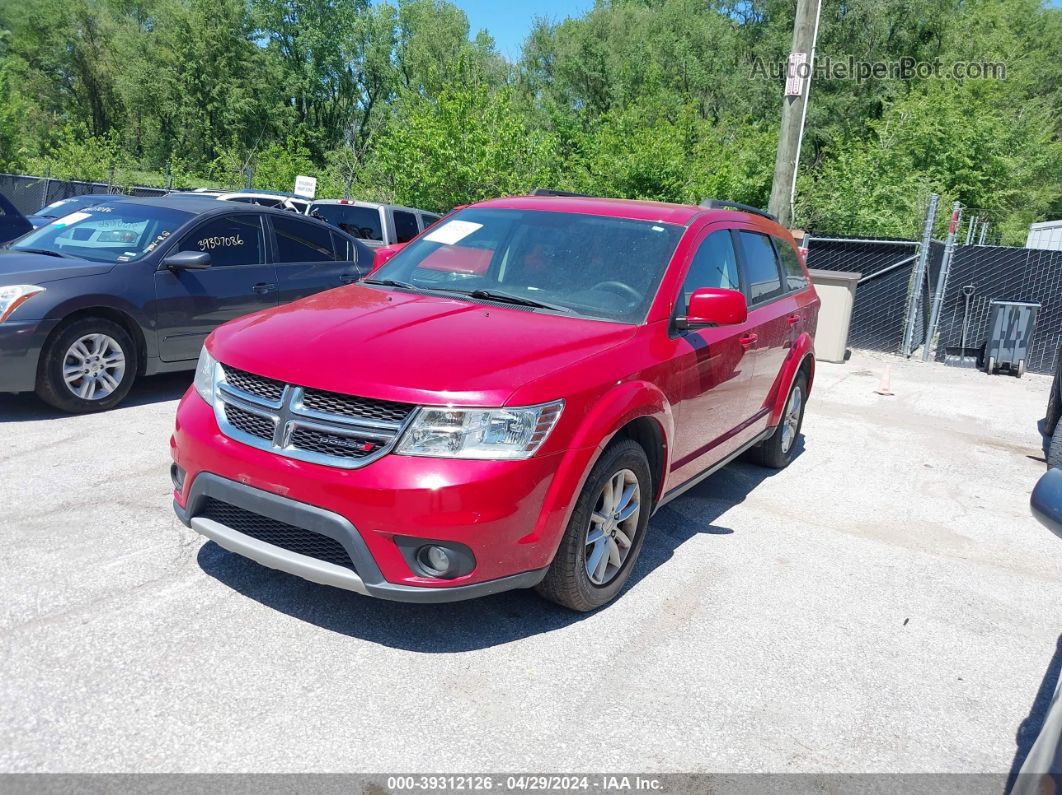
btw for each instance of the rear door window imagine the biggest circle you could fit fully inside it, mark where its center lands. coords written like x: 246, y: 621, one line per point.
x: 300, y: 241
x: 760, y: 265
x: 791, y: 270
x: 230, y: 240
x: 360, y: 222
x: 405, y: 226
x: 428, y: 219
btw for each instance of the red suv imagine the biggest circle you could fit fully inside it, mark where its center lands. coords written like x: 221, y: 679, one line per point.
x: 505, y: 402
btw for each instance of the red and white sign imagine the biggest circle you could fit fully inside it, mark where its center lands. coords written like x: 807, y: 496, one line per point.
x: 794, y: 78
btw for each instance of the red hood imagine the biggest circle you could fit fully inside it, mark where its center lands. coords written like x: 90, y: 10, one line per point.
x: 407, y: 347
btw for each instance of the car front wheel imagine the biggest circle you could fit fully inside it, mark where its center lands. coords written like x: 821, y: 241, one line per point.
x: 605, y: 533
x: 90, y: 365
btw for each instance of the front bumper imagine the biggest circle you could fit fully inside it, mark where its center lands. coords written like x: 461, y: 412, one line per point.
x: 510, y: 514
x: 365, y: 578
x: 20, y: 349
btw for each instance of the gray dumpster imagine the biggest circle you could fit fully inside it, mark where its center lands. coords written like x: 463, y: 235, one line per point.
x: 836, y: 291
x: 1010, y: 330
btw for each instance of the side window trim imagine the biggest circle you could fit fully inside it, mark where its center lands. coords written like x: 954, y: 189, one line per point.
x: 786, y: 289
x: 264, y: 228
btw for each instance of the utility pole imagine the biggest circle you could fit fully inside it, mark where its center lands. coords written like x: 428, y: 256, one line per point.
x: 794, y: 109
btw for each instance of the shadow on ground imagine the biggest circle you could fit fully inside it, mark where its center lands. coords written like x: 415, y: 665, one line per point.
x: 493, y: 620
x: 28, y: 407
x: 1030, y: 728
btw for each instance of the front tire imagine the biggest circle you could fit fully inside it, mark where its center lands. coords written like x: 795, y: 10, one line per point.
x: 778, y: 450
x: 90, y: 365
x: 605, y: 533
x: 1054, y: 450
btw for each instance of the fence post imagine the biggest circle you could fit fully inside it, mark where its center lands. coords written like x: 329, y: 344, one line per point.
x: 914, y: 298
x: 970, y: 229
x: 47, y: 185
x: 110, y: 179
x: 942, y: 279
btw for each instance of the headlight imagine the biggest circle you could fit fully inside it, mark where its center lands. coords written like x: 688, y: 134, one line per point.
x: 204, y: 376
x: 480, y: 433
x: 13, y: 296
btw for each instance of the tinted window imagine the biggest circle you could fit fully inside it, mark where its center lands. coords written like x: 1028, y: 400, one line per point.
x: 794, y: 274
x: 345, y: 250
x: 428, y: 219
x: 256, y: 200
x: 405, y: 226
x: 360, y: 222
x: 714, y: 265
x: 761, y: 267
x: 233, y: 240
x: 298, y: 241
x: 594, y: 266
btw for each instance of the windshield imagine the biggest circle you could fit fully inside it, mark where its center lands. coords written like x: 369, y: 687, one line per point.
x: 117, y: 232
x: 589, y: 265
x: 66, y: 206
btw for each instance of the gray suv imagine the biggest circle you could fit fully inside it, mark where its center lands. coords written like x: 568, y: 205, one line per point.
x: 372, y: 223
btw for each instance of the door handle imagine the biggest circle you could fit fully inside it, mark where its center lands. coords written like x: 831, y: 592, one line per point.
x: 263, y: 287
x: 748, y: 341
x: 793, y: 319
x: 348, y: 278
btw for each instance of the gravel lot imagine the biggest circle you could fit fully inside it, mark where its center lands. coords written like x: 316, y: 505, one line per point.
x: 885, y: 604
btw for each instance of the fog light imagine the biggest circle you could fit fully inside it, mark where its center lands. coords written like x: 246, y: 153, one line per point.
x: 436, y: 560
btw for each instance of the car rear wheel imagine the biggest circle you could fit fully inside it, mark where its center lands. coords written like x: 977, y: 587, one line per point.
x: 90, y: 365
x: 605, y: 533
x: 780, y: 447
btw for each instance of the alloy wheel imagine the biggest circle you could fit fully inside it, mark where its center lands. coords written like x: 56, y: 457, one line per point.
x: 94, y: 366
x: 791, y: 421
x: 613, y: 524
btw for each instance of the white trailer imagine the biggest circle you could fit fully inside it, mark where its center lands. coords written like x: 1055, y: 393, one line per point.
x: 1046, y: 234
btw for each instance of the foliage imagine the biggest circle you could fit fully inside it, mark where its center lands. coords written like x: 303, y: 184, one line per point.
x: 653, y: 99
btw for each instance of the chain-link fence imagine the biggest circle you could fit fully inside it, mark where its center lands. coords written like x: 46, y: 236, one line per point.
x: 982, y: 274
x: 30, y: 194
x: 883, y: 295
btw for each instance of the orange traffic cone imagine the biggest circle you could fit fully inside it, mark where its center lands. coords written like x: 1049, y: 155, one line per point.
x: 885, y: 387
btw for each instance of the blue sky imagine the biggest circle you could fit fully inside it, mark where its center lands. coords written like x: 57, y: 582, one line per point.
x: 509, y: 21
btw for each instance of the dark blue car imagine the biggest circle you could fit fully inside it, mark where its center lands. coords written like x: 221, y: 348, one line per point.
x: 133, y: 286
x: 61, y: 207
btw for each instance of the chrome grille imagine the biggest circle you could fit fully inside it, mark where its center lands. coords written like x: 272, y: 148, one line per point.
x: 251, y: 423
x: 256, y: 385
x: 307, y: 424
x: 349, y: 406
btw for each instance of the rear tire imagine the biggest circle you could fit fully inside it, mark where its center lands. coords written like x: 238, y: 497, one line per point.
x: 88, y: 366
x: 990, y: 365
x: 584, y: 575
x: 778, y: 450
x: 1021, y: 368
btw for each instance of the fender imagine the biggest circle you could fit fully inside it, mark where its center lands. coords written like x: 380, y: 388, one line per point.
x: 604, y: 419
x: 802, y: 350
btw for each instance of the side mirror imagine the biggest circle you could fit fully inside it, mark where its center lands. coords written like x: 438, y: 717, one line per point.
x: 714, y: 306
x: 1046, y: 501
x: 187, y: 261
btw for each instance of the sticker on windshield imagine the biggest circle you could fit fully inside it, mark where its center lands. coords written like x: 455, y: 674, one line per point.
x: 452, y: 231
x: 66, y: 220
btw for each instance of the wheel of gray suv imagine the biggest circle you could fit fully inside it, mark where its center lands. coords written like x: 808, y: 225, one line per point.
x: 779, y: 448
x: 605, y: 533
x: 89, y: 365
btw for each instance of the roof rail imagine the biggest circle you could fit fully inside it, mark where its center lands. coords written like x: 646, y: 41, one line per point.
x: 720, y: 204
x: 552, y: 192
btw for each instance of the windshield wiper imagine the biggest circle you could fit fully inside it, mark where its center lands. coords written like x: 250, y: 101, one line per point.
x: 494, y: 295
x: 45, y: 251
x: 389, y: 283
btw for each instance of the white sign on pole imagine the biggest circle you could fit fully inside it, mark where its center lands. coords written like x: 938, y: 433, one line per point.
x: 306, y: 187
x: 794, y: 78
